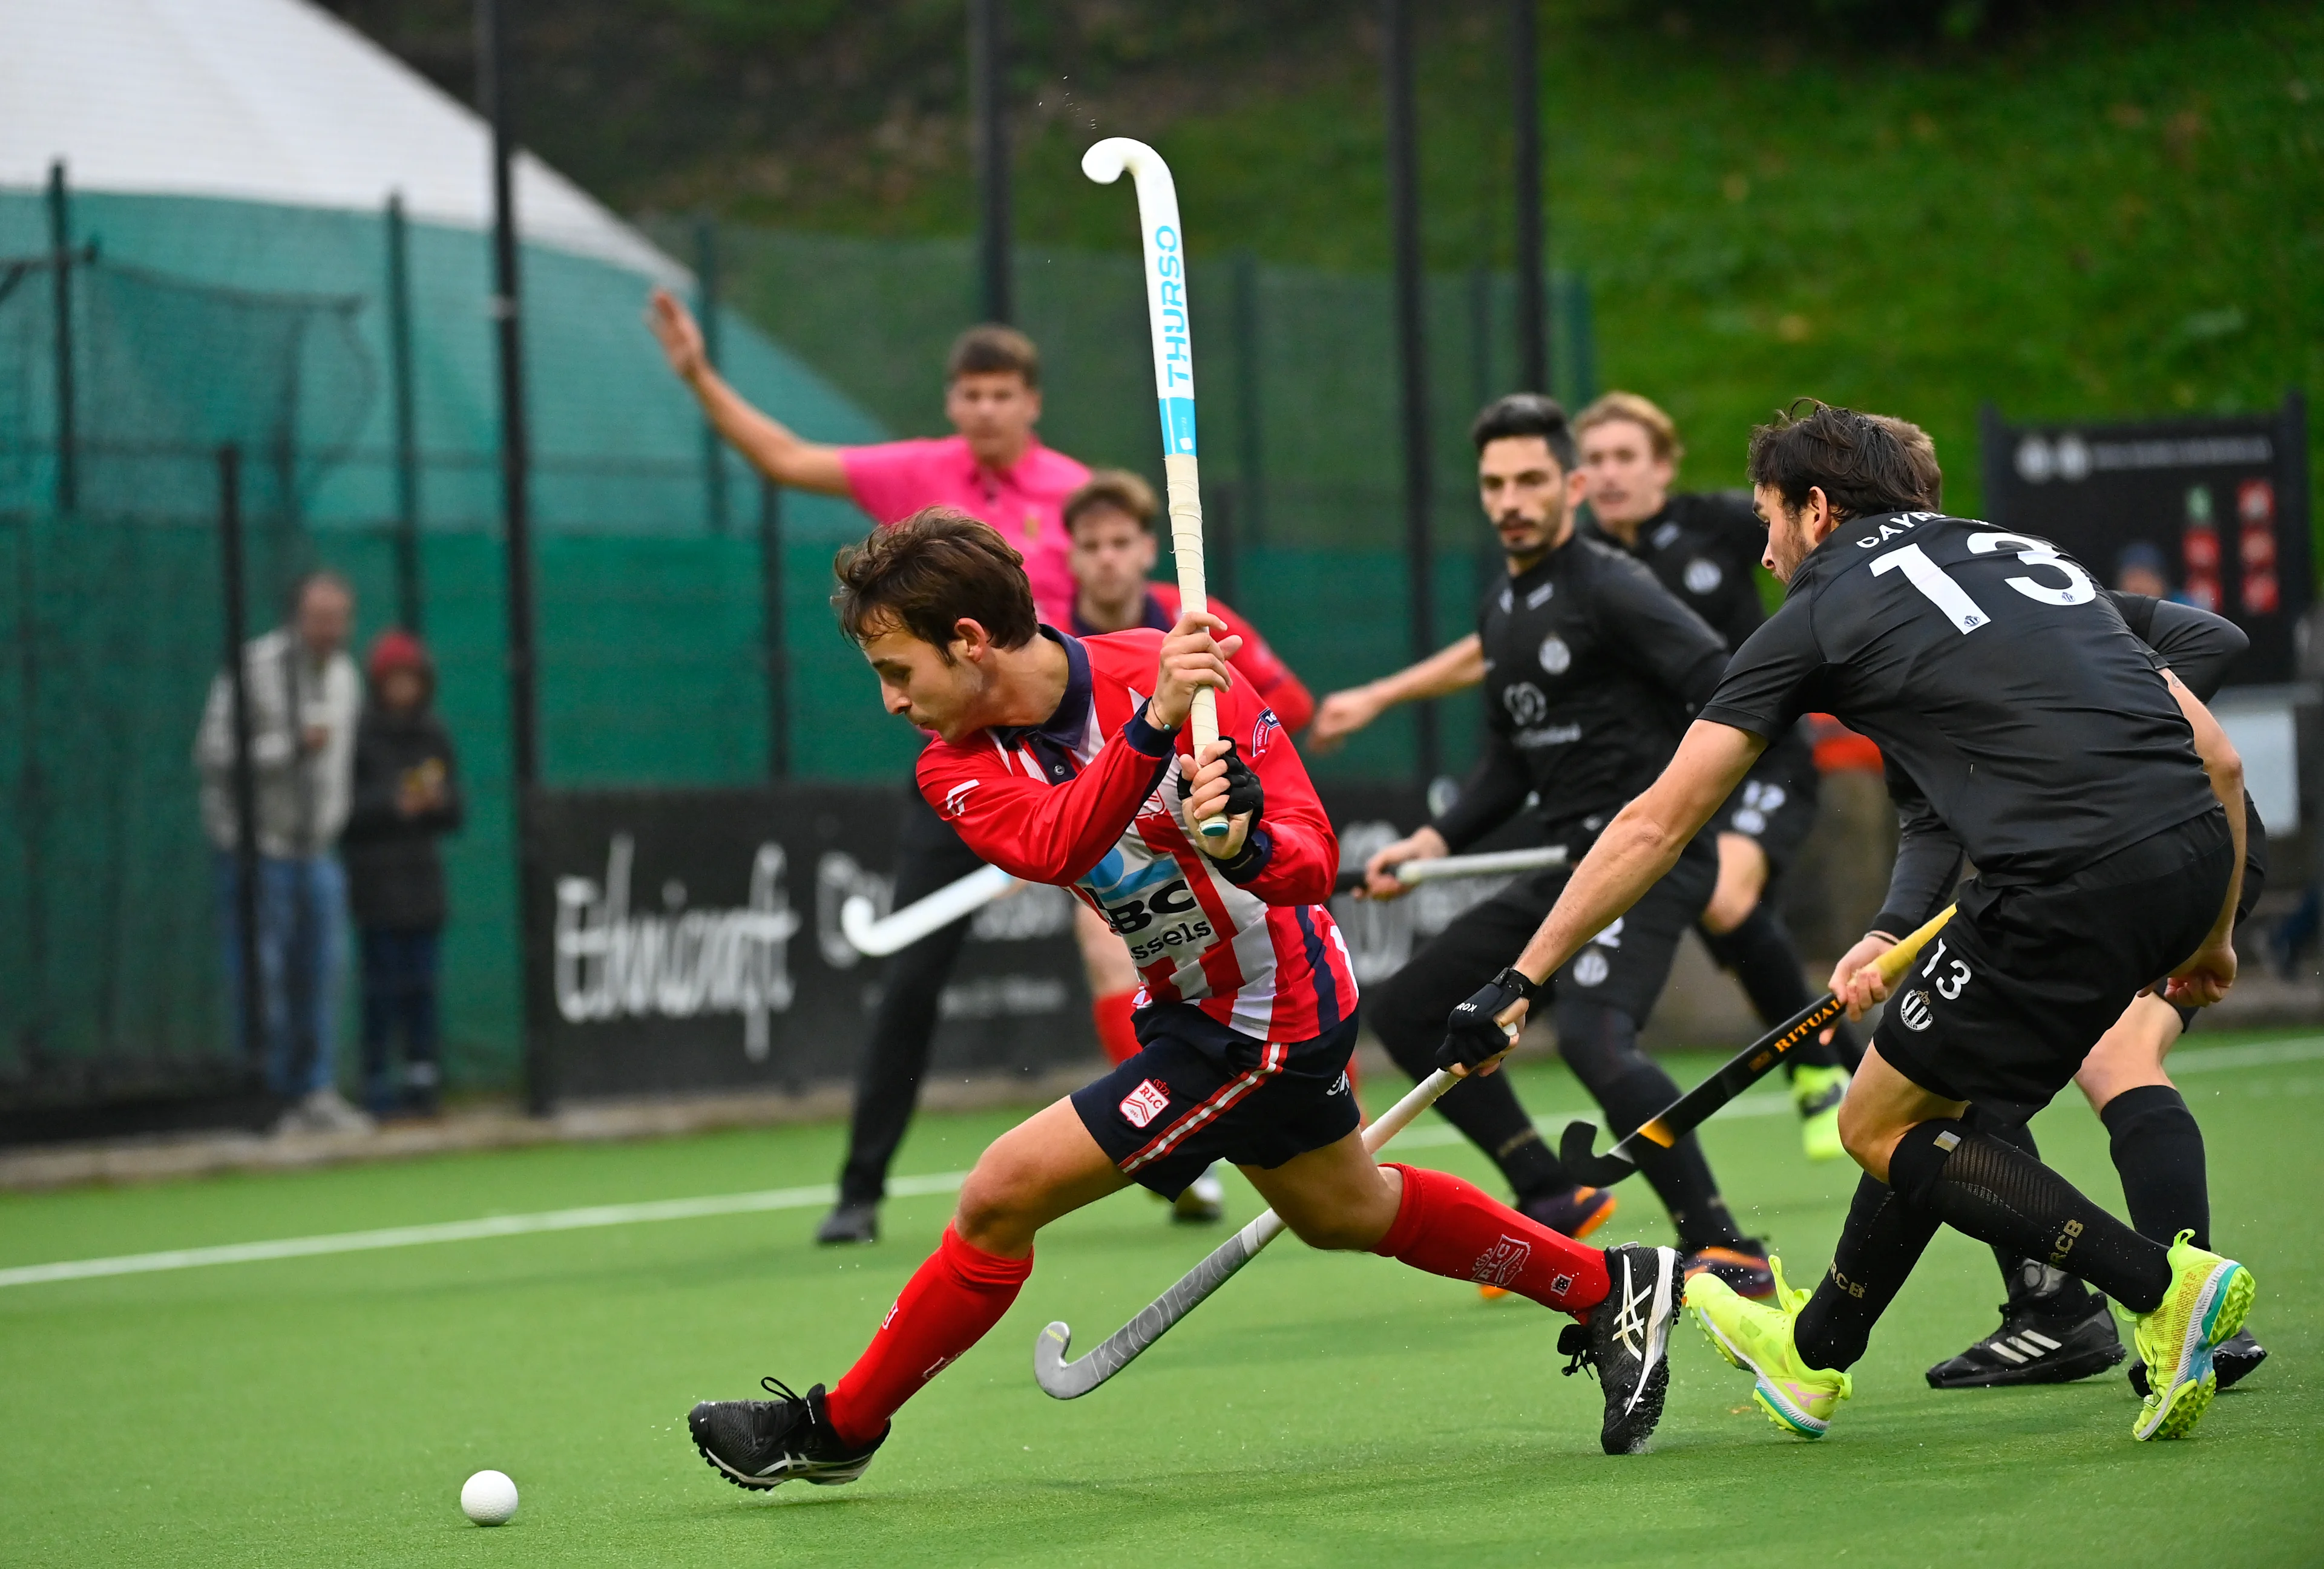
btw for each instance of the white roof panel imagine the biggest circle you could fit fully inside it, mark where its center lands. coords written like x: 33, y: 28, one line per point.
x: 265, y: 100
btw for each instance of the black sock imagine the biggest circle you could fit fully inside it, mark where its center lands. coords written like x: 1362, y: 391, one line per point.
x: 1977, y: 1185
x: 2029, y: 1283
x: 2158, y: 1150
x: 1679, y: 1176
x: 1883, y: 1239
x: 1760, y: 954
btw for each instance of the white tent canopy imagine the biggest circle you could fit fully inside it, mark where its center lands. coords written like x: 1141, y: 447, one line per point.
x: 263, y: 100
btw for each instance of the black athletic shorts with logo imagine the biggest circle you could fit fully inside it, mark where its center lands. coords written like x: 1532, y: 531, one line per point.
x: 1775, y: 803
x: 1197, y: 1092
x: 2007, y: 999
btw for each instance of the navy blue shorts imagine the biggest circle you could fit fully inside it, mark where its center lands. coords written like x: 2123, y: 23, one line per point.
x: 1198, y: 1091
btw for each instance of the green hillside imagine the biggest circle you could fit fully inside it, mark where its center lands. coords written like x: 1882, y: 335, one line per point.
x: 2072, y: 210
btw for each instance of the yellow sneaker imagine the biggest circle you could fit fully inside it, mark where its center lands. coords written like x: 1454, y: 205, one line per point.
x: 1817, y: 1091
x: 1756, y: 1336
x: 2205, y: 1306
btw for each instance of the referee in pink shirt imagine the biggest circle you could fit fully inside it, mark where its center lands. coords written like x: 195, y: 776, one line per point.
x: 994, y: 469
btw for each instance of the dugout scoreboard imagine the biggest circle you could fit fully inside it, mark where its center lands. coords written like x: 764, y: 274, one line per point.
x: 2223, y: 501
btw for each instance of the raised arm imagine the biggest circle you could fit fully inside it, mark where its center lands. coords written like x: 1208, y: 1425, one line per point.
x: 772, y: 447
x: 1454, y: 668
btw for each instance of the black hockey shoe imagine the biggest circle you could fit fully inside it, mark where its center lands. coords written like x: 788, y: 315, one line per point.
x: 849, y: 1222
x: 2233, y: 1357
x: 764, y: 1444
x: 2035, y: 1347
x: 1627, y: 1344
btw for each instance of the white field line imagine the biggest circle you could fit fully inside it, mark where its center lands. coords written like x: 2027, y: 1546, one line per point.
x: 2262, y: 1054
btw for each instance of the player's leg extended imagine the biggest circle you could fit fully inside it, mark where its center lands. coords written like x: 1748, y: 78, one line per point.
x: 1339, y: 1197
x: 1045, y: 1167
x: 2188, y: 1299
x: 1600, y: 995
x: 929, y: 855
x: 2158, y: 1148
x: 1407, y: 1011
x: 2053, y: 1329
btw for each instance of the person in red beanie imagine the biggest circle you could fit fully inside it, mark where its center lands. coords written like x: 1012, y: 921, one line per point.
x: 407, y: 795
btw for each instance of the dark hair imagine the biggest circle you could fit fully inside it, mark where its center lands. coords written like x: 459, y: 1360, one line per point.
x: 930, y: 572
x: 1860, y: 461
x: 1117, y: 488
x: 993, y: 349
x: 1920, y: 453
x: 1525, y: 414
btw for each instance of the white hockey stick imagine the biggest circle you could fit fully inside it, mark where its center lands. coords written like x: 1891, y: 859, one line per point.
x: 1174, y: 380
x: 1067, y: 1380
x: 1490, y: 863
x: 879, y: 936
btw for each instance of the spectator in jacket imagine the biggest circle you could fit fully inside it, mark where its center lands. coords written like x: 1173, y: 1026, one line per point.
x: 303, y: 695
x: 405, y: 796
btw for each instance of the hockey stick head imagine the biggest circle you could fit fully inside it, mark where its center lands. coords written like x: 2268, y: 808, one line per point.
x: 1585, y: 1167
x: 1059, y: 1379
x: 859, y: 920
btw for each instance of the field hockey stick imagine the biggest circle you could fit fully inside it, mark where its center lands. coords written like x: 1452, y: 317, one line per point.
x: 871, y: 933
x: 1174, y: 383
x: 1489, y: 864
x: 1068, y: 1379
x: 1740, y: 1073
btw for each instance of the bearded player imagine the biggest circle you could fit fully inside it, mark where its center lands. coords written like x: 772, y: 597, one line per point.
x: 1067, y: 761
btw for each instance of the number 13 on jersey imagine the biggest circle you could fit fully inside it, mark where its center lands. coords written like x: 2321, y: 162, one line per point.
x: 1953, y: 602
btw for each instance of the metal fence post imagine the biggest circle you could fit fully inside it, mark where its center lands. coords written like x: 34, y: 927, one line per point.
x: 1532, y: 228
x: 67, y: 432
x: 772, y: 630
x: 988, y: 108
x: 1251, y: 448
x: 517, y: 517
x: 1412, y: 359
x: 705, y: 307
x: 246, y: 778
x: 408, y: 600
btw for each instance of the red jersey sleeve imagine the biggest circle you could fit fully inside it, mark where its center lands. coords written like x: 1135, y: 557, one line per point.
x: 1030, y: 828
x: 1302, y: 853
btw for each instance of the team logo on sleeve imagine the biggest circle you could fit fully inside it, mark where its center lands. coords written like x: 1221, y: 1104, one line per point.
x: 956, y: 800
x: 1144, y: 1103
x: 1263, y: 733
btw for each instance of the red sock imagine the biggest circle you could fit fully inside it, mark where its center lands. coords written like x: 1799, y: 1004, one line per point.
x: 1448, y: 1227
x: 1115, y: 1030
x: 950, y: 1301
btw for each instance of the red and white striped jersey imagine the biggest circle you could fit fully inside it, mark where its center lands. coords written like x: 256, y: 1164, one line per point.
x: 1090, y: 800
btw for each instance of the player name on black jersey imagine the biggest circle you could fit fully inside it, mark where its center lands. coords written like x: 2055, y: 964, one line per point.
x: 1993, y: 673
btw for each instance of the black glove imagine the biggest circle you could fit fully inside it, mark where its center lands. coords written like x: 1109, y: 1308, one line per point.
x: 1470, y: 1034
x: 1244, y: 792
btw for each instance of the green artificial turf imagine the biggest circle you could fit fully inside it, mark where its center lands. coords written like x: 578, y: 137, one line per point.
x: 1320, y: 1409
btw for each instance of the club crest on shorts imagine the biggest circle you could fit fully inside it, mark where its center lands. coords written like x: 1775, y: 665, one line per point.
x: 1144, y: 1103
x: 1590, y: 968
x: 1914, y: 1009
x: 1502, y: 1263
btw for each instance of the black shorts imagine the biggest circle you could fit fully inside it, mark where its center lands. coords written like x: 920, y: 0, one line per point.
x: 1198, y: 1091
x: 1623, y: 966
x: 1775, y: 803
x: 2007, y: 999
x: 2255, y: 884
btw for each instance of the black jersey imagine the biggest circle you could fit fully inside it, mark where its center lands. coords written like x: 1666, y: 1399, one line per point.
x: 1592, y: 671
x: 2199, y: 647
x: 1705, y: 548
x: 1994, y: 674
